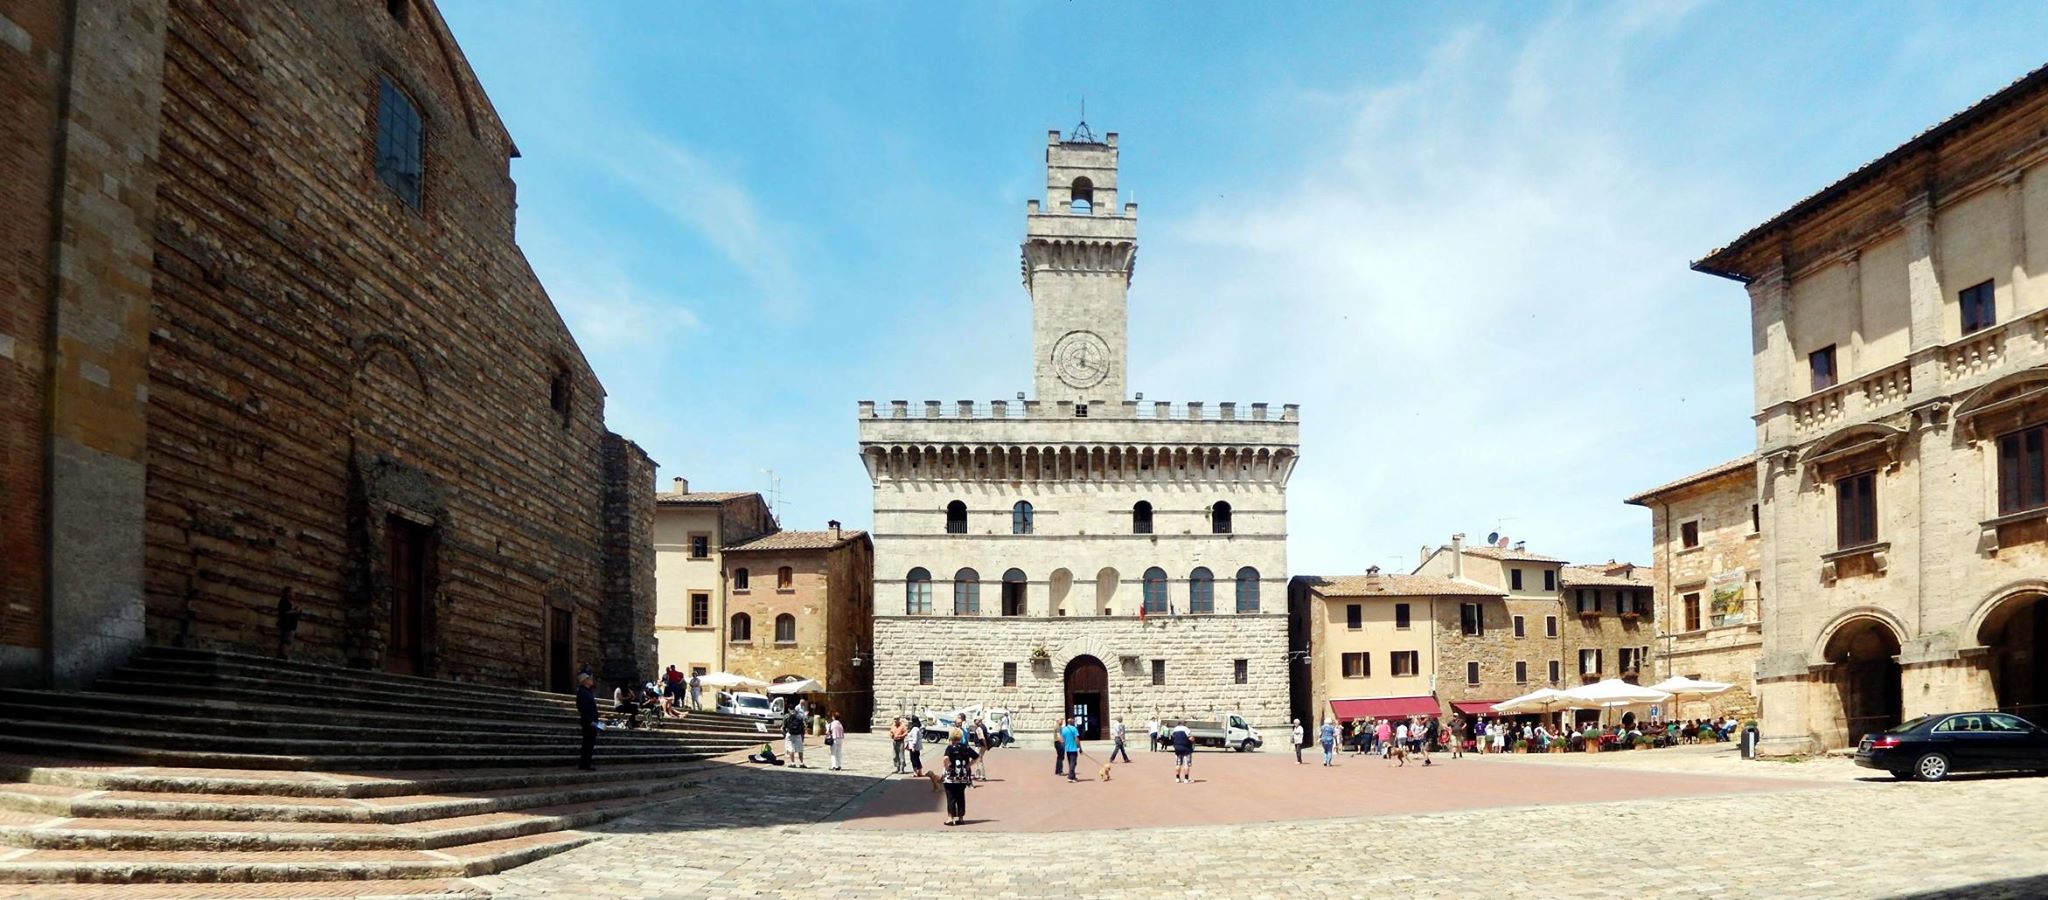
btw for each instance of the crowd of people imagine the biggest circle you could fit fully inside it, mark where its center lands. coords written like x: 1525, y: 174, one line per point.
x: 1398, y: 740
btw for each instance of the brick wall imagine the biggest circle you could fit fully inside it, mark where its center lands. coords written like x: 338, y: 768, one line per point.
x: 627, y: 618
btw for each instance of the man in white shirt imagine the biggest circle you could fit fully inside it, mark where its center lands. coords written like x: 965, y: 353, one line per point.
x: 1116, y: 736
x: 1297, y: 742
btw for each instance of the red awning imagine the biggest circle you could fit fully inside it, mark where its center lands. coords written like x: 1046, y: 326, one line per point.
x: 1475, y: 707
x: 1385, y: 708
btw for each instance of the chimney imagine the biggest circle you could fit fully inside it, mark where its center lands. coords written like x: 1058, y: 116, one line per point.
x: 682, y: 485
x: 1372, y: 571
x: 834, y: 525
x: 1458, y: 555
x: 1521, y: 546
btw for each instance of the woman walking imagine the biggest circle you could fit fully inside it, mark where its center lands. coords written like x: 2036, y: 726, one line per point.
x: 916, y: 744
x: 959, y: 774
x: 835, y: 738
x: 1329, y: 741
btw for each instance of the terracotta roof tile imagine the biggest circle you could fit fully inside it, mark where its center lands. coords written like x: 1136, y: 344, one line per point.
x: 797, y: 540
x: 670, y: 498
x: 1511, y: 555
x: 1387, y: 585
x: 1734, y: 465
x: 1614, y: 575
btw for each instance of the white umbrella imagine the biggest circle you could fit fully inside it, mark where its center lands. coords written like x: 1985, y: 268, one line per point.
x: 1683, y: 688
x: 729, y: 680
x: 799, y: 686
x: 1539, y: 700
x: 1615, y: 692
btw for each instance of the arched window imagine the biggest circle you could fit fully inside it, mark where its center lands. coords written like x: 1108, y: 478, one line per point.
x: 917, y: 593
x: 1247, y: 590
x: 1020, y: 518
x: 741, y: 629
x: 956, y: 518
x: 785, y: 629
x: 739, y: 579
x: 1014, y: 586
x: 966, y: 593
x: 785, y: 578
x: 1155, y: 590
x: 1141, y: 517
x: 1084, y: 195
x: 1201, y: 591
x: 1219, y: 518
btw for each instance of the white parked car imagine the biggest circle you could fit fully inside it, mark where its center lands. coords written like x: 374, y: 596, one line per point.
x: 759, y: 706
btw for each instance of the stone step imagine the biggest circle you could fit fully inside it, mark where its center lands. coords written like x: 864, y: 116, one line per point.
x: 186, y: 866
x: 439, y: 832
x: 281, y: 722
x: 420, y: 745
x: 158, y: 676
x: 54, y: 776
x: 419, y: 889
x: 74, y: 803
x: 285, y: 667
x: 142, y: 753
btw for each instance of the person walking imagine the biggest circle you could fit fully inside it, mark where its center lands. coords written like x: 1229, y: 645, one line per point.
x: 835, y: 738
x: 586, y: 713
x: 1183, y: 754
x: 288, y: 615
x: 1116, y: 736
x: 958, y: 775
x: 1383, y: 735
x: 1070, y: 744
x: 897, y: 734
x: 916, y: 746
x: 1329, y: 741
x: 793, y: 737
x: 983, y: 744
x: 1399, y: 751
x: 1297, y: 742
x: 696, y: 691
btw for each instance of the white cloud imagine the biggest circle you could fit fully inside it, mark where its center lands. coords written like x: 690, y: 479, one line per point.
x: 1476, y: 295
x: 610, y: 312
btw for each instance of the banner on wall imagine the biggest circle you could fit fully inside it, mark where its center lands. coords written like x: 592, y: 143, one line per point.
x: 1724, y: 597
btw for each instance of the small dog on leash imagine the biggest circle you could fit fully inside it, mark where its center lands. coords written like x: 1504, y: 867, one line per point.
x: 1102, y: 774
x: 934, y: 776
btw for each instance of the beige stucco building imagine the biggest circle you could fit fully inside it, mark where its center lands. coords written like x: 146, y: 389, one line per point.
x: 1900, y: 329
x: 691, y: 530
x: 1366, y: 646
x: 799, y: 605
x: 1081, y: 550
x: 1708, y: 578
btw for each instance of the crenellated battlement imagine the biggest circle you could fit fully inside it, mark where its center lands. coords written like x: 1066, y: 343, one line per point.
x: 1160, y: 410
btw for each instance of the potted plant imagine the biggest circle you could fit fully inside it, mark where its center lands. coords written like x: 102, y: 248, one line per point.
x: 1556, y: 746
x: 1521, y: 746
x: 1039, y: 655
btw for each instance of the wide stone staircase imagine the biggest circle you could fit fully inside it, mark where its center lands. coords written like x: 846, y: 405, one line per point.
x: 202, y: 774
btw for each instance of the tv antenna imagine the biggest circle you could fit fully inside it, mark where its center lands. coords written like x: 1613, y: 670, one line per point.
x: 774, y: 494
x: 1081, y: 132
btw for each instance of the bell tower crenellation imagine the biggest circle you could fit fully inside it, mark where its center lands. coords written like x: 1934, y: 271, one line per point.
x: 1079, y: 253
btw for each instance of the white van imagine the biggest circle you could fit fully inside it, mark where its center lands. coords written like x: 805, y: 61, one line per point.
x: 1227, y: 730
x: 758, y: 706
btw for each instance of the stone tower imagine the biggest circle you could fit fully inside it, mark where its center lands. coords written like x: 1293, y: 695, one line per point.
x: 1079, y: 253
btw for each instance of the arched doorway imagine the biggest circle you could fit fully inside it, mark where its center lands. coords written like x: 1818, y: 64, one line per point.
x: 1087, y: 695
x: 1014, y: 586
x: 1863, y: 657
x: 2017, y: 633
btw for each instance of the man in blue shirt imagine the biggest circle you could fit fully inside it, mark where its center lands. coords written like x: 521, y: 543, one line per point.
x: 1070, y: 744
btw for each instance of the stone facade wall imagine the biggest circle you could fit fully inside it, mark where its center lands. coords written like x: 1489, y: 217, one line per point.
x: 1609, y: 632
x: 1721, y: 508
x: 1496, y: 651
x: 1876, y: 272
x: 831, y: 599
x: 724, y: 521
x: 303, y: 358
x: 626, y: 621
x: 967, y: 658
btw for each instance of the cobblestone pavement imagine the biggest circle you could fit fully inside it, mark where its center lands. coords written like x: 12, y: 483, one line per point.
x: 778, y: 832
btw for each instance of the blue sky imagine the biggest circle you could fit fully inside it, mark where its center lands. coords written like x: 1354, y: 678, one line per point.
x: 1457, y: 236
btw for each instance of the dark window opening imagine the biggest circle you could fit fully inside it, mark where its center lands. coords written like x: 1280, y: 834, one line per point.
x: 739, y: 579
x: 1083, y: 192
x: 1219, y: 518
x: 966, y: 593
x: 917, y: 592
x: 1242, y: 670
x: 1247, y: 590
x: 700, y: 610
x: 1201, y: 591
x: 1550, y: 626
x: 561, y: 396
x: 1519, y: 629
x: 924, y: 672
x: 1692, y: 612
x: 1556, y: 671
x: 785, y: 578
x: 1159, y: 671
x: 700, y: 546
x: 399, y: 138
x: 1550, y: 579
x: 1471, y: 673
x: 1856, y: 510
x: 956, y: 518
x: 1514, y: 579
x: 2022, y: 471
x: 1141, y: 518
x: 1407, y: 662
x: 1688, y: 534
x: 1472, y: 619
x: 1020, y: 518
x: 1521, y: 673
x: 1009, y: 674
x: 740, y: 629
x: 1354, y: 616
x: 398, y: 10
x: 785, y: 629
x: 1013, y: 592
x: 1979, y: 307
x: 1357, y: 665
x: 1155, y: 590
x: 1822, y: 362
x: 1401, y: 616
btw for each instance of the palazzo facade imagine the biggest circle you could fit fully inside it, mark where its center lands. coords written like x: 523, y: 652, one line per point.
x: 1081, y: 552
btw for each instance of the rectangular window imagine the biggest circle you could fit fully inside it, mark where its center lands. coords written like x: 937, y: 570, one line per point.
x: 1471, y: 673
x: 1550, y: 626
x: 1689, y: 534
x: 700, y: 610
x: 1159, y: 671
x: 1756, y: 518
x: 1979, y: 307
x: 2022, y: 471
x: 1407, y: 662
x: 1550, y: 580
x: 1357, y: 665
x: 1822, y: 362
x: 1556, y: 671
x: 1521, y: 672
x: 1519, y: 632
x: 1515, y: 579
x: 399, y: 136
x: 1354, y: 616
x: 1692, y: 612
x: 1242, y: 669
x: 1856, y: 510
x: 1472, y: 618
x: 700, y: 546
x: 1628, y: 659
x: 1401, y: 616
x: 924, y: 672
x: 1589, y: 662
x: 1009, y: 674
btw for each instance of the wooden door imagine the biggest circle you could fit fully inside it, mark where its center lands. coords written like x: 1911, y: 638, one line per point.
x: 406, y: 554
x: 1088, y: 696
x: 561, y: 650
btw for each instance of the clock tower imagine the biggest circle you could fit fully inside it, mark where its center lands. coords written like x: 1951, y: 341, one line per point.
x: 1079, y: 253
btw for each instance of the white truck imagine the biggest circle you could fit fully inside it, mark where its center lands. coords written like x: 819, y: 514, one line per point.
x: 1229, y: 730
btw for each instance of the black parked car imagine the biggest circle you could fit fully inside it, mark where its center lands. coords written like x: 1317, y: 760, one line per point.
x: 1930, y: 747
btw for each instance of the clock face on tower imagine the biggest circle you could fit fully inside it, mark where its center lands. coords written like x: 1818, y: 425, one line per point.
x: 1081, y: 359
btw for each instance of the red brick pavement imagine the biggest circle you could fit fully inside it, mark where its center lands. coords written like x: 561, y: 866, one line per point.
x: 1232, y: 788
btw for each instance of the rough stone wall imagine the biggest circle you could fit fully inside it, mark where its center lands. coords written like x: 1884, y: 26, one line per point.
x: 322, y: 351
x: 829, y: 596
x: 626, y: 621
x: 1609, y: 632
x: 968, y: 653
x: 31, y: 59
x: 1496, y: 651
x: 1727, y: 542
